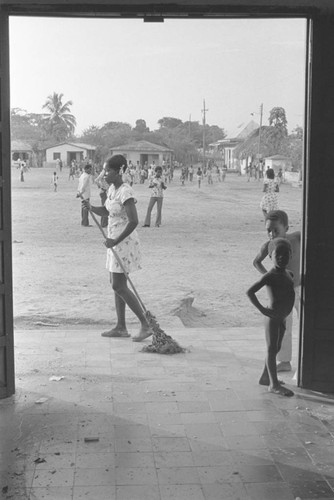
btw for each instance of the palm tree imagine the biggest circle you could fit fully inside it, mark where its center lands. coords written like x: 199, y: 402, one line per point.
x: 60, y: 122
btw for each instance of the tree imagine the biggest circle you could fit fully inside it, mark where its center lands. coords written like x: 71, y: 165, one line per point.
x: 293, y: 148
x: 115, y: 133
x: 183, y: 138
x: 60, y: 122
x: 277, y: 118
x: 25, y: 126
x: 168, y: 122
x: 278, y: 130
x: 297, y: 132
x: 141, y: 127
x: 92, y: 135
x: 105, y: 137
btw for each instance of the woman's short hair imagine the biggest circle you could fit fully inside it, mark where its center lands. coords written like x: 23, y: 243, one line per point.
x: 116, y: 162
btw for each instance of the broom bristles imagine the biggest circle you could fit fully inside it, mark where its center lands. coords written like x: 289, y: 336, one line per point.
x: 161, y: 342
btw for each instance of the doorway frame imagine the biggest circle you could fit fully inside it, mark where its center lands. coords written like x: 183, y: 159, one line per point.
x: 319, y: 15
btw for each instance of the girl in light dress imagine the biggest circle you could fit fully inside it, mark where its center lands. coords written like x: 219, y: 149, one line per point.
x: 269, y: 200
x: 122, y: 236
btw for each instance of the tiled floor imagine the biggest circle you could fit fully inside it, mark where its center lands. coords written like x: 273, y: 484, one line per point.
x: 127, y: 425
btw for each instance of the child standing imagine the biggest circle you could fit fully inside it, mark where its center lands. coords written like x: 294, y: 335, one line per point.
x: 183, y: 176
x: 277, y: 225
x: 54, y: 181
x: 191, y: 173
x: 199, y: 175
x: 279, y: 283
x: 269, y: 200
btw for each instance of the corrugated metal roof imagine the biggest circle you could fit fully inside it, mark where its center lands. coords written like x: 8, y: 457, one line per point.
x: 243, y: 130
x: 141, y: 146
x: 277, y: 157
x: 81, y: 145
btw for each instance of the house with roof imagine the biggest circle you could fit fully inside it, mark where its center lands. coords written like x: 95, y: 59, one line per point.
x: 258, y: 147
x: 228, y: 145
x: 144, y: 151
x: 22, y: 151
x: 69, y: 151
x: 278, y: 161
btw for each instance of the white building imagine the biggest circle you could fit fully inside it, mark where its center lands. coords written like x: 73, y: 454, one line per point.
x: 22, y: 151
x: 234, y: 139
x: 68, y: 151
x: 144, y: 151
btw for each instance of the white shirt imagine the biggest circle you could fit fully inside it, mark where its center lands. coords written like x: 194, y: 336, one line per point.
x: 84, y: 185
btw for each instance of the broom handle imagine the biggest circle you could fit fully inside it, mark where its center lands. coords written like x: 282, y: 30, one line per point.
x: 117, y: 258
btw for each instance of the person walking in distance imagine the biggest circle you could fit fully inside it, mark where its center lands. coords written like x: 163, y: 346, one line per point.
x: 22, y: 170
x: 199, y: 175
x: 71, y: 173
x: 191, y: 173
x: 54, y: 181
x: 84, y: 192
x: 158, y: 186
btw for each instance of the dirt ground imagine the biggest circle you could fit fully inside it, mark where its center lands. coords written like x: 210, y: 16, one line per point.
x: 196, y: 267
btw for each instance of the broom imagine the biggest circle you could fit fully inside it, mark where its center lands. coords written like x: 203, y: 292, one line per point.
x: 161, y: 342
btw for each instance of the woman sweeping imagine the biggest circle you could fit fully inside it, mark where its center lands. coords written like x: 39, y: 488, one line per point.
x: 122, y: 235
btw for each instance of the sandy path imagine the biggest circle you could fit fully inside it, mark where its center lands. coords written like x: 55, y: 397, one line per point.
x: 203, y: 250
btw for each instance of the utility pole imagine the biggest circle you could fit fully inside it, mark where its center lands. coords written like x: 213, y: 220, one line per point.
x: 259, y: 145
x: 204, y: 110
x: 189, y: 136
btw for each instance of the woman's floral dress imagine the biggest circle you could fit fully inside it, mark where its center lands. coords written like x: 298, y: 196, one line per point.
x: 128, y: 250
x: 269, y: 200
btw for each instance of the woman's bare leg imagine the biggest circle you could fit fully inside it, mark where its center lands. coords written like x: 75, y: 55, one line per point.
x: 120, y: 329
x: 121, y: 289
x: 120, y: 311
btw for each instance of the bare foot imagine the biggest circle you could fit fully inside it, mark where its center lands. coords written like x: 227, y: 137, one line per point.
x: 116, y: 332
x: 282, y: 391
x: 265, y: 381
x: 145, y: 332
x: 284, y: 366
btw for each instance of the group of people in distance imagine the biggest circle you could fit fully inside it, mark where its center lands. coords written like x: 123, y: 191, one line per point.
x: 124, y: 256
x: 211, y: 172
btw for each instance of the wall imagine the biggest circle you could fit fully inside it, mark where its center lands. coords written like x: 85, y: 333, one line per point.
x: 62, y: 149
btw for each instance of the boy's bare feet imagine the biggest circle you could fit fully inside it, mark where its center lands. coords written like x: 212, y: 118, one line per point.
x: 116, y: 332
x: 281, y: 391
x: 284, y: 366
x: 145, y: 332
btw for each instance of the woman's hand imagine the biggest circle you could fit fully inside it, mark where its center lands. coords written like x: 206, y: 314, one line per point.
x: 86, y: 204
x: 110, y: 243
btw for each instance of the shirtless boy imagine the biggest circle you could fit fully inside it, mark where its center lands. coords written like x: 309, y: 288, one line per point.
x: 277, y: 226
x: 279, y: 283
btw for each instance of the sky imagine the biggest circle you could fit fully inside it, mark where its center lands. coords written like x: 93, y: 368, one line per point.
x: 124, y: 70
